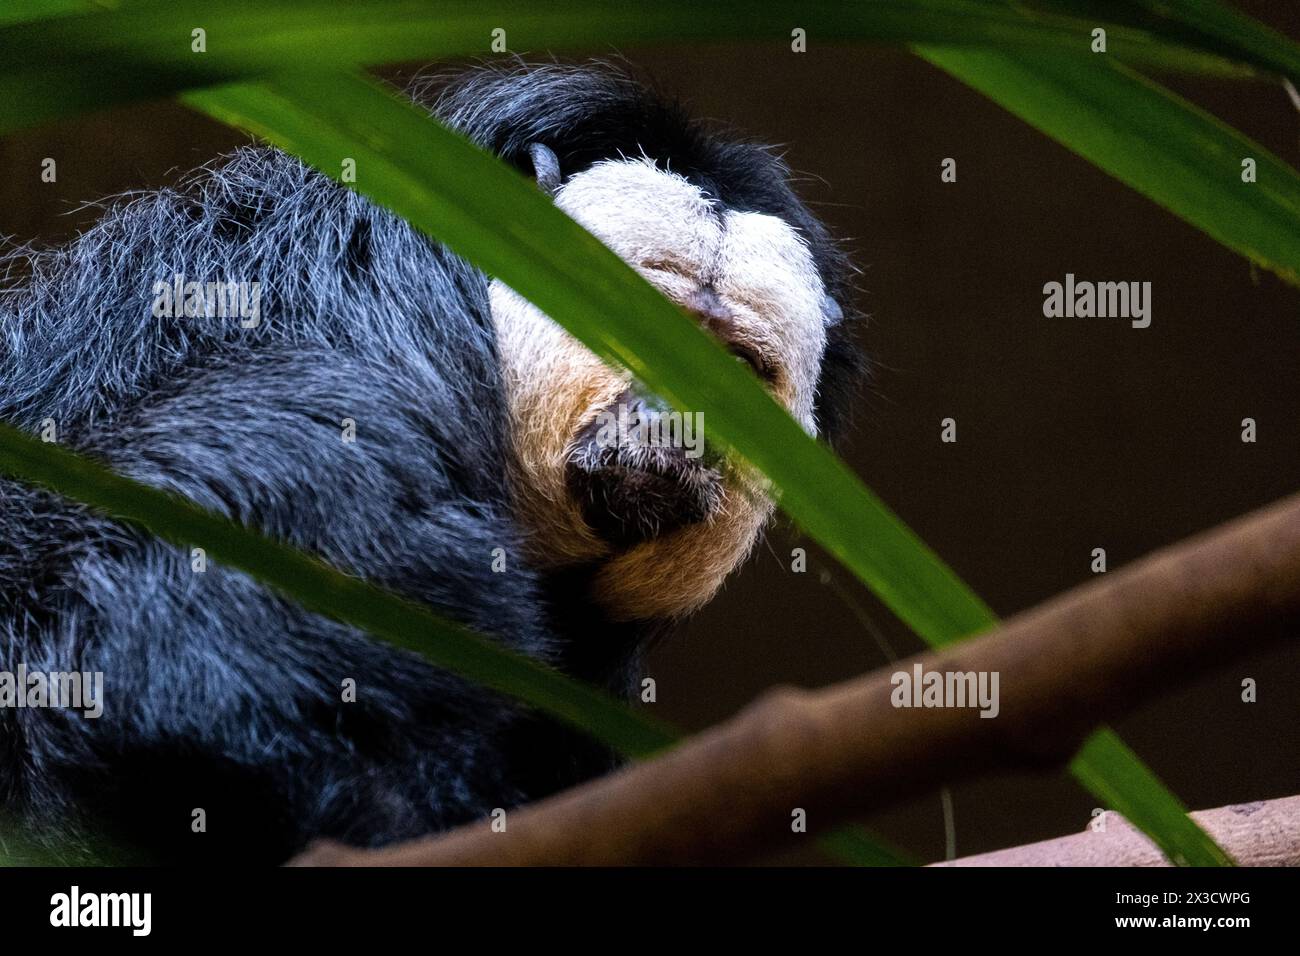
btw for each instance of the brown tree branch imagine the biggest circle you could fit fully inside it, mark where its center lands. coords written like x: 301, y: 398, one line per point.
x: 1264, y: 833
x: 1066, y: 666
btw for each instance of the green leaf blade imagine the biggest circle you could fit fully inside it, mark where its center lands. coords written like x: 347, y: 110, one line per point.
x: 143, y: 48
x: 321, y: 588
x: 1147, y: 137
x: 1108, y: 768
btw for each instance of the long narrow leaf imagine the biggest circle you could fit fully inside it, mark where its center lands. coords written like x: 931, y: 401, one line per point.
x: 1203, y: 24
x: 1147, y: 137
x: 145, y: 49
x: 348, y: 599
x: 321, y: 588
x: 1108, y: 768
x: 24, y: 11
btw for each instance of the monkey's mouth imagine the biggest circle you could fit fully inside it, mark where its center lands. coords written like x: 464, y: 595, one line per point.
x: 638, y: 472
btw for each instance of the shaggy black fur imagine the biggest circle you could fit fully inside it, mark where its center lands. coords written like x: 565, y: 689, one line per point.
x: 218, y: 694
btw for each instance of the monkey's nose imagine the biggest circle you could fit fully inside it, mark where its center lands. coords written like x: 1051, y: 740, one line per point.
x: 641, y: 405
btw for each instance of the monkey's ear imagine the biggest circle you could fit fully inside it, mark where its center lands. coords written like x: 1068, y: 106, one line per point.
x: 546, y: 168
x: 832, y: 314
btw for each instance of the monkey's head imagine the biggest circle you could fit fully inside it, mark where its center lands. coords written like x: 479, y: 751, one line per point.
x: 604, y: 474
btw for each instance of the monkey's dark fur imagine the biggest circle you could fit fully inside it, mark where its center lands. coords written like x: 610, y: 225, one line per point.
x: 218, y: 694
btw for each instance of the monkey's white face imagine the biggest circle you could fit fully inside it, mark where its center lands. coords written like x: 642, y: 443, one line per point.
x: 665, y: 527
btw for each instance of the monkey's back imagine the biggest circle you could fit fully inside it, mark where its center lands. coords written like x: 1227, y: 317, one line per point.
x: 220, y: 695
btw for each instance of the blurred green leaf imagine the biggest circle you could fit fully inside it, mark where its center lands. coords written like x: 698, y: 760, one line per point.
x: 325, y: 590
x: 1108, y: 768
x: 1147, y: 137
x: 1219, y: 26
x: 23, y: 11
x: 321, y: 588
x: 141, y: 49
x: 1209, y: 25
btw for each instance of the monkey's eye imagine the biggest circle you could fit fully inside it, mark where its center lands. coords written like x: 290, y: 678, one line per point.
x: 753, y: 359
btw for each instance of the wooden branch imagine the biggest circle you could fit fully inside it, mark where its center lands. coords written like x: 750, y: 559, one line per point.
x: 1081, y: 659
x: 1264, y: 833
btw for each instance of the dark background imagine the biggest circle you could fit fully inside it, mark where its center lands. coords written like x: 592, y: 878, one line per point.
x: 1072, y: 434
